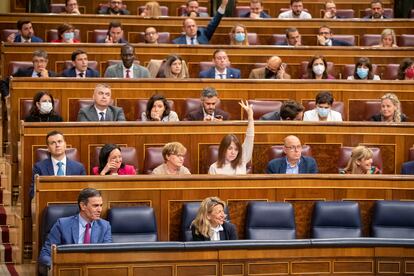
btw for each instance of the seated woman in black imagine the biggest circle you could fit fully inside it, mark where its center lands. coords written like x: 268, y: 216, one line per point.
x: 390, y: 110
x: 210, y: 223
x: 42, y: 109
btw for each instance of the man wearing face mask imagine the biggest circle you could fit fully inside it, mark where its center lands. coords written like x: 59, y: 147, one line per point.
x: 221, y: 69
x: 127, y: 69
x: 323, y: 109
x: 274, y: 69
x: 325, y: 38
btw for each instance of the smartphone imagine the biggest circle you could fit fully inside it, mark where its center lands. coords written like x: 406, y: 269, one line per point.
x: 220, y: 117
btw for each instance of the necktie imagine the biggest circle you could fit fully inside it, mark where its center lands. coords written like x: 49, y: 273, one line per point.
x: 39, y: 74
x: 221, y: 76
x: 102, y: 116
x: 192, y: 41
x: 60, y: 169
x: 80, y: 75
x: 87, y: 236
x: 128, y: 76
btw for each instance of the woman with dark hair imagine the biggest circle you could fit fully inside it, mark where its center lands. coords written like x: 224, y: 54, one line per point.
x: 110, y: 162
x: 66, y: 34
x: 232, y: 156
x: 323, y: 109
x: 210, y: 223
x: 174, y: 67
x: 318, y: 69
x: 158, y: 109
x: 406, y: 69
x: 363, y: 70
x: 42, y: 109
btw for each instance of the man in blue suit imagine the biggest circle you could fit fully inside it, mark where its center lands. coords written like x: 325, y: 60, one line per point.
x: 83, y: 228
x: 194, y: 35
x: 220, y: 70
x: 256, y: 10
x: 57, y: 164
x: 293, y: 162
x: 80, y: 67
x: 325, y: 38
x: 26, y: 33
x: 407, y: 167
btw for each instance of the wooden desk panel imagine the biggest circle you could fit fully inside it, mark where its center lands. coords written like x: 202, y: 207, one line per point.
x: 167, y: 195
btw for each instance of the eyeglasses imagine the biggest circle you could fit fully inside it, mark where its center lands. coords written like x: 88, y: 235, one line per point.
x: 324, y: 33
x: 294, y: 148
x: 116, y: 2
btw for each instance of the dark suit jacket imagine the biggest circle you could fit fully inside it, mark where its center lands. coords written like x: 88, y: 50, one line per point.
x: 377, y: 118
x: 45, y: 167
x: 18, y: 38
x: 407, y: 167
x: 336, y: 42
x: 113, y: 113
x: 229, y: 233
x: 120, y: 41
x: 90, y: 73
x: 271, y: 116
x: 203, y: 34
x: 370, y: 17
x: 306, y: 165
x: 108, y: 10
x: 262, y: 15
x: 66, y: 231
x: 232, y: 73
x: 198, y: 115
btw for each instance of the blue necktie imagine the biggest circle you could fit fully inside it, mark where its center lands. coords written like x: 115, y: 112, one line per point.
x: 102, y: 116
x: 192, y: 41
x: 60, y: 169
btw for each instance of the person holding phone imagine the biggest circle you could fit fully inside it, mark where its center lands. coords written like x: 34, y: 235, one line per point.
x: 274, y: 69
x: 208, y: 110
x: 25, y: 33
x: 115, y: 34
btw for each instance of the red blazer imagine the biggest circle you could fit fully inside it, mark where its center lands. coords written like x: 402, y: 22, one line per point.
x: 126, y: 170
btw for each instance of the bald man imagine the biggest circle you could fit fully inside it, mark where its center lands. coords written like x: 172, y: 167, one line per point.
x: 293, y: 162
x: 194, y: 35
x: 274, y: 69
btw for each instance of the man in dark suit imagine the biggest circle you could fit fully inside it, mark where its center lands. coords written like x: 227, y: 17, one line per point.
x: 194, y: 35
x: 26, y: 33
x: 115, y: 34
x: 208, y: 110
x: 256, y: 10
x: 38, y: 70
x: 114, y: 7
x: 407, y: 167
x: 80, y: 67
x: 101, y: 110
x: 325, y: 38
x: 84, y: 228
x: 57, y: 163
x: 293, y: 162
x: 191, y: 9
x: 377, y: 11
x: 290, y: 110
x: 330, y: 10
x: 220, y: 70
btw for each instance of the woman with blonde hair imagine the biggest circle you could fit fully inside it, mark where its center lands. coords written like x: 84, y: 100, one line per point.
x: 238, y: 35
x: 210, y: 223
x: 360, y: 162
x: 388, y: 39
x: 390, y: 110
x: 151, y: 9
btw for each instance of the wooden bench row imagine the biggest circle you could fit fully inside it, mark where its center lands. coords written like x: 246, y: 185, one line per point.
x: 243, y: 58
x: 265, y: 28
x: 167, y: 195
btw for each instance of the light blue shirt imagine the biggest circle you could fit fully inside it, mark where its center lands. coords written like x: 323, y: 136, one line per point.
x: 290, y: 169
x: 82, y: 228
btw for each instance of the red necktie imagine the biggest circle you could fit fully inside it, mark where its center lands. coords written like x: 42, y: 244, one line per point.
x: 87, y: 237
x: 128, y: 76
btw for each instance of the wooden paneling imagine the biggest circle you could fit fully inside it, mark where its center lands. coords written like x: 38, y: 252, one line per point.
x: 171, y: 192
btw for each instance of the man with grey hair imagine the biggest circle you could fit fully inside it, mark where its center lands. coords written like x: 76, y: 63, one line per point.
x: 101, y: 110
x: 208, y: 110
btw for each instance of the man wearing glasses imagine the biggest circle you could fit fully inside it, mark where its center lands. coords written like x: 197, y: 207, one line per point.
x: 293, y: 162
x: 151, y: 35
x: 114, y: 7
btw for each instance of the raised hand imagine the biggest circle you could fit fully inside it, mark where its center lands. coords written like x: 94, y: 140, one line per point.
x: 247, y: 107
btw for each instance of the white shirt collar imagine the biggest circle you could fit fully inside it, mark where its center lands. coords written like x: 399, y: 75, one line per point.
x: 216, y: 232
x: 131, y: 71
x: 217, y: 73
x: 78, y: 72
x: 188, y: 40
x: 55, y: 166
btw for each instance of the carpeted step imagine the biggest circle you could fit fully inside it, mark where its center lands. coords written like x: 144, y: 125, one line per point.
x: 8, y: 270
x: 8, y: 253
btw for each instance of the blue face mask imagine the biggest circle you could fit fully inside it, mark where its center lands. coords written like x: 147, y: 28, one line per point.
x: 68, y: 36
x: 362, y: 72
x: 323, y: 112
x: 239, y: 37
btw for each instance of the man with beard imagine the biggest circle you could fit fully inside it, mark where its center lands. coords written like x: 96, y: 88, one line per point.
x: 296, y: 11
x: 274, y: 69
x: 208, y: 110
x: 26, y: 33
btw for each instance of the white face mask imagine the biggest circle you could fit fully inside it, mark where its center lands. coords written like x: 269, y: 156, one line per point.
x: 318, y: 69
x: 45, y: 107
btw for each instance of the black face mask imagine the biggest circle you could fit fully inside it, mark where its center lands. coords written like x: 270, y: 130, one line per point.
x: 270, y: 74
